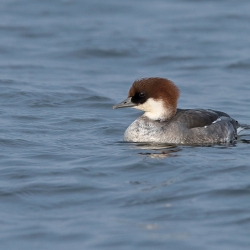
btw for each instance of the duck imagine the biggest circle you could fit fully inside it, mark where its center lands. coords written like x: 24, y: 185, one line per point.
x: 163, y: 122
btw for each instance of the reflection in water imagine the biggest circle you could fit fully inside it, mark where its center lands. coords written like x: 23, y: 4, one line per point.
x: 245, y: 138
x: 245, y: 141
x: 159, y: 150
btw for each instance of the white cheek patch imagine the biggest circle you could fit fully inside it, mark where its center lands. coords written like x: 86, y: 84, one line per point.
x: 155, y: 109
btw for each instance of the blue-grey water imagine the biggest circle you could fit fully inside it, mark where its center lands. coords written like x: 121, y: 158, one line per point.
x: 67, y: 180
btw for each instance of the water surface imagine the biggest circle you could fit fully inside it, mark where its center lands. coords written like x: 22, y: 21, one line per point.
x: 67, y: 180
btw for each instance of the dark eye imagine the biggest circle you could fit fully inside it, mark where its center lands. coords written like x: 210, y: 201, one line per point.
x: 141, y: 94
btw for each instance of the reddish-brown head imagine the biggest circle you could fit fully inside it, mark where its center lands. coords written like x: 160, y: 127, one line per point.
x: 158, y: 97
